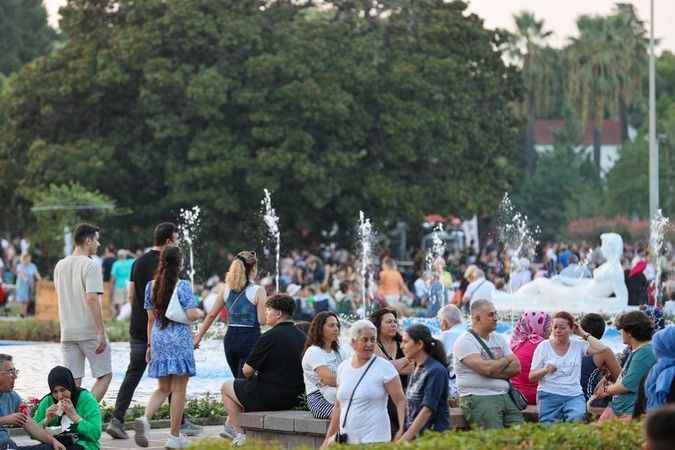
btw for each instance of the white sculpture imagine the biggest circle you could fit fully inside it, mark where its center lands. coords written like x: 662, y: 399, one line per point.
x: 604, y: 293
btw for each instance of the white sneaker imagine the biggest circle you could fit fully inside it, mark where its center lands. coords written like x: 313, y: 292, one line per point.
x: 142, y: 431
x: 228, y: 432
x: 239, y: 440
x: 180, y: 441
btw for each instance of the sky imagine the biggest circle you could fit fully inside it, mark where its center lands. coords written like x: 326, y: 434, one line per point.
x: 559, y: 16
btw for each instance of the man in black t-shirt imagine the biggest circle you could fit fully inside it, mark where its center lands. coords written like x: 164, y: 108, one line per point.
x: 142, y: 272
x: 274, y: 379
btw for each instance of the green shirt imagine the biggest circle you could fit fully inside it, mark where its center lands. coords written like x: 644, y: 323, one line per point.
x: 636, y: 367
x: 89, y: 428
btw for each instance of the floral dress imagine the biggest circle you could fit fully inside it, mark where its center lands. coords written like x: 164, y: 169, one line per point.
x: 172, y: 348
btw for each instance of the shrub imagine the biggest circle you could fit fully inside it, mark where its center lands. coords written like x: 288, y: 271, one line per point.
x: 613, y: 435
x: 49, y: 330
x: 199, y: 408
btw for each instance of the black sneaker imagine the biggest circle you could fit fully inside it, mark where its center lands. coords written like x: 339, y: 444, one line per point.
x: 116, y: 429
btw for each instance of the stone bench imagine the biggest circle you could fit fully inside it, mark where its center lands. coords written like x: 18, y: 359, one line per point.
x: 293, y: 429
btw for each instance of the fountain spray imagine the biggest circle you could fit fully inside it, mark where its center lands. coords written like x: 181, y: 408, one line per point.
x: 272, y: 222
x: 189, y: 228
x: 657, y: 229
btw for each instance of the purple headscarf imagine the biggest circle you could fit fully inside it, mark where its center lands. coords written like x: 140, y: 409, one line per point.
x: 529, y: 328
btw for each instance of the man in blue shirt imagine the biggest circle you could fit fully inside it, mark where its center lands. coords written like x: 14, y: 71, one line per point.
x: 10, y: 403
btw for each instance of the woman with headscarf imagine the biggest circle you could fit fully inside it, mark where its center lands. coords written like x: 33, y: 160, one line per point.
x: 73, y: 408
x: 532, y: 328
x: 636, y: 283
x: 660, y: 382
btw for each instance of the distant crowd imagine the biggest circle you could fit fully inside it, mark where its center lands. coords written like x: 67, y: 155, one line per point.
x: 381, y: 384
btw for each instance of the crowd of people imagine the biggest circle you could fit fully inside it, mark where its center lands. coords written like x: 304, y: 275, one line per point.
x: 387, y: 384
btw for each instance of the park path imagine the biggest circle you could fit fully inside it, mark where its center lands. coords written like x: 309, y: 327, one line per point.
x: 157, y: 439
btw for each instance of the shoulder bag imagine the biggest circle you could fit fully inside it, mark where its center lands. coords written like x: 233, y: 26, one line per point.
x: 518, y: 398
x: 175, y: 311
x: 341, y: 438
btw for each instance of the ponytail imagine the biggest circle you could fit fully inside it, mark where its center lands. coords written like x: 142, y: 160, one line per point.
x: 432, y: 347
x: 165, y: 281
x: 240, y: 270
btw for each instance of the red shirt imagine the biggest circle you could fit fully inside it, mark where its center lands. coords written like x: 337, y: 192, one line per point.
x: 524, y: 353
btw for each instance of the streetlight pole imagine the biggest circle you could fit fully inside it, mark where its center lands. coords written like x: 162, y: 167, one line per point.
x: 653, y: 145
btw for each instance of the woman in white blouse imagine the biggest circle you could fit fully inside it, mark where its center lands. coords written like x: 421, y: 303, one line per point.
x: 320, y: 361
x: 364, y: 382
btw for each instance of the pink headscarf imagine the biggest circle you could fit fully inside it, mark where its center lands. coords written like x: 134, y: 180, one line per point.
x: 529, y: 328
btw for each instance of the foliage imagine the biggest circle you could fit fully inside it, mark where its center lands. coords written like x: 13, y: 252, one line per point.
x: 613, y: 435
x: 49, y: 330
x: 549, y: 197
x: 590, y: 228
x: 164, y: 104
x: 24, y: 33
x: 65, y: 201
x: 198, y: 408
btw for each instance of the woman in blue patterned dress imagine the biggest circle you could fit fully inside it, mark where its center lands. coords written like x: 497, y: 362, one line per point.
x: 170, y: 353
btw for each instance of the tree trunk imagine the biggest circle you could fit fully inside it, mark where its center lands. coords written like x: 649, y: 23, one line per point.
x: 623, y: 118
x: 530, y: 152
x: 597, y: 143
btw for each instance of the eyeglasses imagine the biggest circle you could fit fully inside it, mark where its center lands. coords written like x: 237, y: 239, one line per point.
x: 11, y: 372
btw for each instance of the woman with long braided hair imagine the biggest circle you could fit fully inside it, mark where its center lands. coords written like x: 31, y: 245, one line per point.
x: 170, y: 353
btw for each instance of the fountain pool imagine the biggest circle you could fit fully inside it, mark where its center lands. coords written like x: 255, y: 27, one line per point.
x: 35, y: 359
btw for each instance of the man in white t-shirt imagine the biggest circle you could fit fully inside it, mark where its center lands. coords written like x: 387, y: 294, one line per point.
x: 479, y: 287
x: 482, y: 380
x: 78, y: 280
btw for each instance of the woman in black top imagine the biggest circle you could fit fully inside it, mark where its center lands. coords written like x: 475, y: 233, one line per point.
x: 389, y: 347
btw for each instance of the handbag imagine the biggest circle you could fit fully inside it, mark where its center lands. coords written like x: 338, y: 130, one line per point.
x: 516, y: 396
x: 341, y: 438
x: 67, y: 439
x: 175, y: 311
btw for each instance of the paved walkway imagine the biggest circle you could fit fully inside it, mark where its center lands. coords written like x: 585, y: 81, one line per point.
x: 157, y: 439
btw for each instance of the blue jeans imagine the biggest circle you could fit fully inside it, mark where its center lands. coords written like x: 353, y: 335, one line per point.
x: 557, y: 408
x: 239, y: 343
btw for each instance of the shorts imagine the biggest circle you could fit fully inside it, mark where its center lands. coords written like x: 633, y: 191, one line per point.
x: 75, y: 352
x: 119, y: 296
x: 490, y: 411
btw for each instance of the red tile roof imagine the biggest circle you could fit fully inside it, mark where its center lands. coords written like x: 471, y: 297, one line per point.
x: 544, y: 132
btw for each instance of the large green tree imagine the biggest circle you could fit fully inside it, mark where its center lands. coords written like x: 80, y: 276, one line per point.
x: 163, y: 104
x: 24, y: 33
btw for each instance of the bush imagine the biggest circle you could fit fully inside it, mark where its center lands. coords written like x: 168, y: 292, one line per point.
x: 49, y: 330
x: 199, y: 408
x: 613, y: 435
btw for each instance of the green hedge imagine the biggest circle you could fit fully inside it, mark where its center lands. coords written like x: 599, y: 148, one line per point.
x: 49, y: 330
x: 201, y: 408
x: 607, y: 436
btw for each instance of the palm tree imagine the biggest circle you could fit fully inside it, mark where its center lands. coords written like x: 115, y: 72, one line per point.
x: 593, y: 79
x: 607, y: 68
x: 631, y: 59
x: 528, y: 47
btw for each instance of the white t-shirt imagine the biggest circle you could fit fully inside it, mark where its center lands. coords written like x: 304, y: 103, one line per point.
x: 368, y: 420
x: 566, y: 380
x: 479, y: 289
x: 471, y: 382
x: 448, y: 338
x: 74, y: 277
x: 314, y: 358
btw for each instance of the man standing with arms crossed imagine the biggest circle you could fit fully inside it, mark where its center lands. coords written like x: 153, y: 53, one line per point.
x: 79, y: 285
x: 142, y: 271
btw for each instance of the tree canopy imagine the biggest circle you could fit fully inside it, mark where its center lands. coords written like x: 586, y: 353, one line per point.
x: 164, y: 104
x: 24, y: 33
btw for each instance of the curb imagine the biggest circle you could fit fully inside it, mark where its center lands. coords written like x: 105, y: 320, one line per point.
x: 154, y: 424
